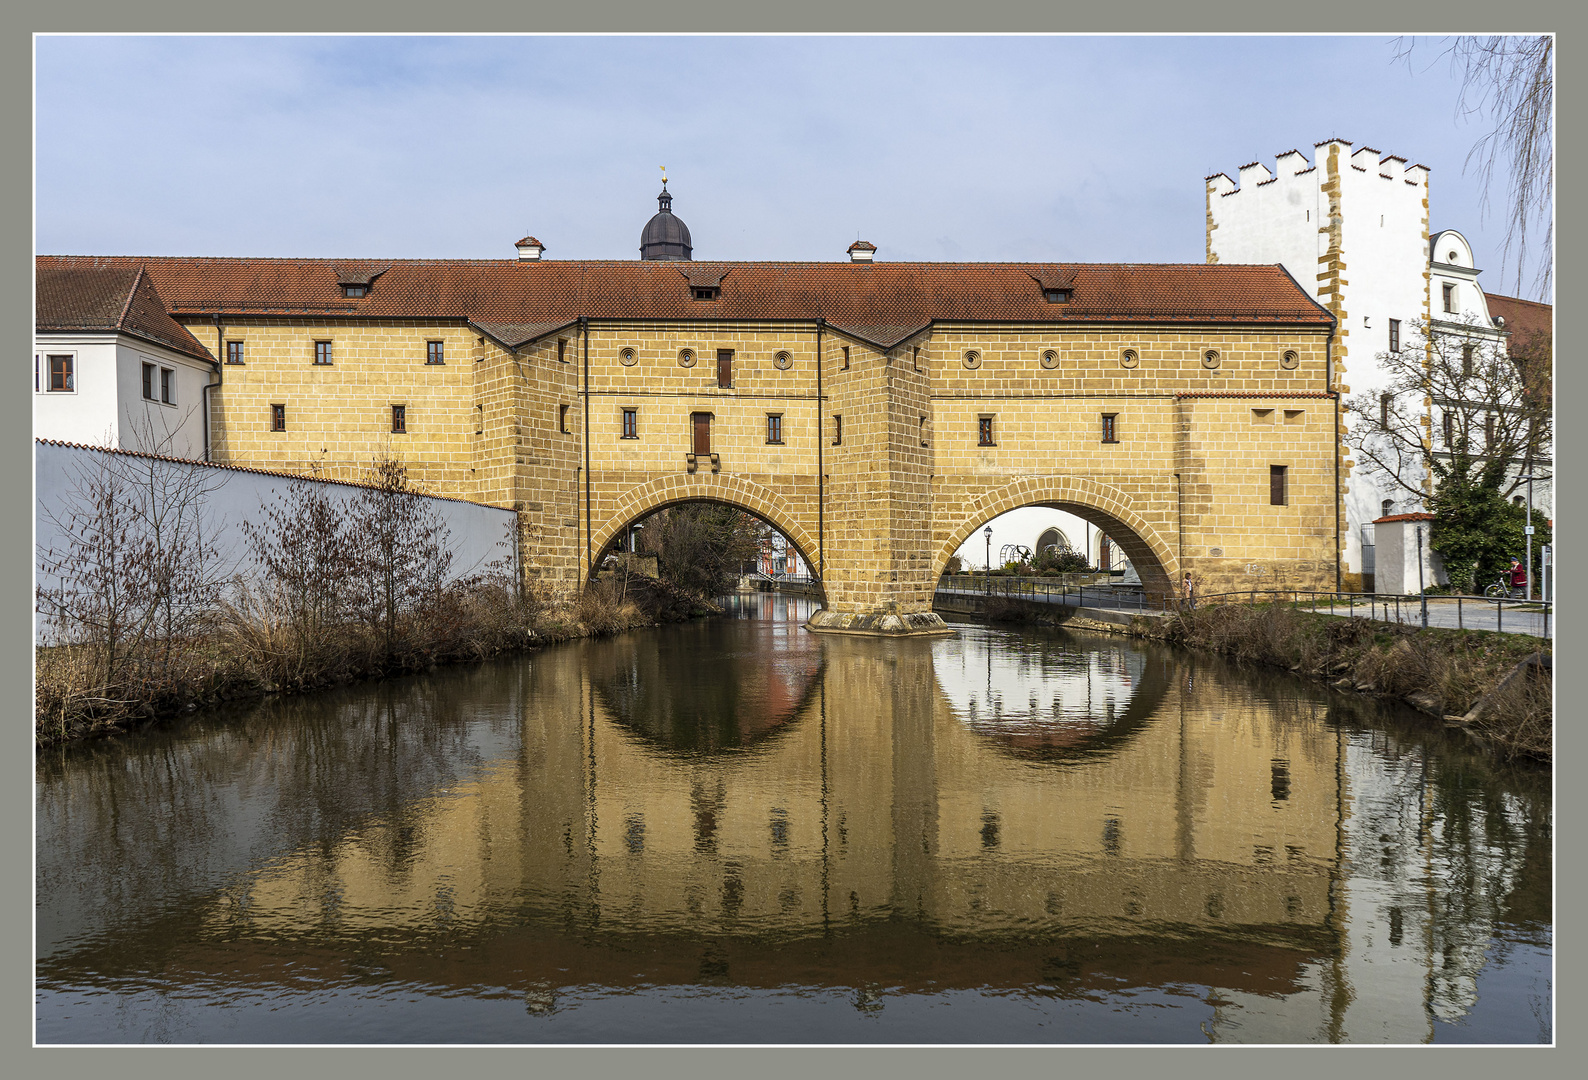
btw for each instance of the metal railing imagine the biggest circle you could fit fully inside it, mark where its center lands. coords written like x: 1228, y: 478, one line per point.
x: 1383, y: 607
x: 1406, y: 607
x: 1096, y: 594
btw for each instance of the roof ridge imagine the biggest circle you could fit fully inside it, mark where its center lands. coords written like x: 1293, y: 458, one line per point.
x: 126, y: 305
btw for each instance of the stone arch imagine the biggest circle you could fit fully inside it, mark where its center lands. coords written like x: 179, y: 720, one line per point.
x: 747, y: 495
x: 1102, y: 504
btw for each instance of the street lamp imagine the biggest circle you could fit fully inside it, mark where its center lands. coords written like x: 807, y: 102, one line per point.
x: 987, y: 574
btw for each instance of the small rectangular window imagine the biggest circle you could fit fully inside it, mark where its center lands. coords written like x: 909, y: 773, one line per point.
x: 1294, y: 416
x: 322, y: 352
x: 1056, y: 296
x: 921, y: 427
x: 838, y: 429
x: 1488, y: 430
x: 1384, y: 402
x: 168, y: 386
x: 278, y: 418
x: 984, y: 431
x: 1262, y: 416
x: 399, y: 419
x: 562, y: 419
x: 1110, y: 428
x: 1276, y: 485
x: 1450, y: 298
x: 706, y: 292
x: 148, y: 382
x: 846, y: 357
x: 1395, y: 335
x: 354, y: 291
x: 1449, y: 423
x: 234, y: 352
x: 562, y: 350
x: 725, y: 369
x: 774, y: 428
x: 435, y: 352
x: 1466, y: 359
x: 61, y: 375
x: 915, y: 358
x: 479, y: 419
x: 631, y: 424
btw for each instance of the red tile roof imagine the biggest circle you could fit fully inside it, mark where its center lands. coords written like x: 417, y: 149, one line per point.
x: 1522, y: 316
x: 112, y: 298
x: 894, y: 294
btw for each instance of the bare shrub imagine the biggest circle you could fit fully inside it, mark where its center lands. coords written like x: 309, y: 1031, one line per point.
x: 400, y: 550
x: 130, y: 590
x: 1518, y: 719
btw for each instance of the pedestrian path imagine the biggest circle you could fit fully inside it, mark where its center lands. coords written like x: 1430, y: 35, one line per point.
x: 1463, y: 613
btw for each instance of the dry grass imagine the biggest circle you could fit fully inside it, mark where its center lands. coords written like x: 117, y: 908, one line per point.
x: 1439, y: 671
x: 254, y: 645
x: 1518, y: 720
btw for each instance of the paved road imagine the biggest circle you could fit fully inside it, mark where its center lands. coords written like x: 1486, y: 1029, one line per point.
x: 1470, y: 613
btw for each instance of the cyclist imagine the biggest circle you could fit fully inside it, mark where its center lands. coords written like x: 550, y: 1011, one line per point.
x: 1518, y: 578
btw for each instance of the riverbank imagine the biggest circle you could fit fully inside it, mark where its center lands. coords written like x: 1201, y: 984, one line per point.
x: 1463, y: 677
x: 247, y: 650
x: 1455, y: 675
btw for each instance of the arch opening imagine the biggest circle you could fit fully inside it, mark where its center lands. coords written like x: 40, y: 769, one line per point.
x: 1107, y: 509
x: 761, y: 504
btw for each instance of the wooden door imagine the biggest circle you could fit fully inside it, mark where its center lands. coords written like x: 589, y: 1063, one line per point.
x: 725, y: 368
x: 702, y: 423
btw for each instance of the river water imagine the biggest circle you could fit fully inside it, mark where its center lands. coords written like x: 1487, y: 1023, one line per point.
x: 736, y: 831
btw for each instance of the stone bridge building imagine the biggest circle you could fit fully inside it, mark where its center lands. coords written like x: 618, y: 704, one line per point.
x: 875, y: 413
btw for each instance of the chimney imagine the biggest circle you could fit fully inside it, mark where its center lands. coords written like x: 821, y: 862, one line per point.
x: 861, y: 251
x: 529, y: 249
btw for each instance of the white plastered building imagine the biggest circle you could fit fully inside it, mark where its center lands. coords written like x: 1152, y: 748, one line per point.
x: 112, y: 368
x: 1351, y: 226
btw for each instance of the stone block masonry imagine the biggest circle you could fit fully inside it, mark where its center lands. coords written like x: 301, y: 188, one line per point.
x: 876, y: 414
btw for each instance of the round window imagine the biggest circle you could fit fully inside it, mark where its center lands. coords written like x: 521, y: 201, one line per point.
x: 1050, y: 358
x: 782, y: 360
x: 627, y: 357
x: 1129, y: 358
x: 686, y: 357
x: 972, y: 359
x: 1210, y: 359
x: 1289, y: 359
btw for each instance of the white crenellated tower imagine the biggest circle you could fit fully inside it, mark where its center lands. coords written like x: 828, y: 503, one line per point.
x: 1351, y: 227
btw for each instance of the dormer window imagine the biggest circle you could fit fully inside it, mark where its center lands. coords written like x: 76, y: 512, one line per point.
x: 706, y: 292
x: 1056, y: 296
x: 355, y: 291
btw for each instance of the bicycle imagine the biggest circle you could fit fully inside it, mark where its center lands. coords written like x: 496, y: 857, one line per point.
x: 1500, y: 590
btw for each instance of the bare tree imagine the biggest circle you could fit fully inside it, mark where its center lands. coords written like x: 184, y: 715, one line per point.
x: 138, y: 568
x: 401, y: 548
x: 702, y: 547
x: 1456, y: 405
x: 1509, y: 81
x: 302, y: 549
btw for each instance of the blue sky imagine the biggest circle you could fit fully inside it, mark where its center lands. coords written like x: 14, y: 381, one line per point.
x: 937, y: 148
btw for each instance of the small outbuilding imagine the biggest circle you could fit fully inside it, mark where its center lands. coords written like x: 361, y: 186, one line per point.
x: 1399, y: 538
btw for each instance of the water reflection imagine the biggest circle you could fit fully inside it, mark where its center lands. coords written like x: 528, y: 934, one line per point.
x: 1060, y: 822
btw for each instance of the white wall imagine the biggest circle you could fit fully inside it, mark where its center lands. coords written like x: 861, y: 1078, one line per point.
x: 87, y: 414
x: 173, y: 430
x: 1382, y: 214
x: 107, y: 407
x: 1397, y: 559
x: 479, y: 534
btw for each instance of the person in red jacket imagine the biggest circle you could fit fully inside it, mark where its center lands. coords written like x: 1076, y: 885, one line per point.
x: 1518, y: 579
